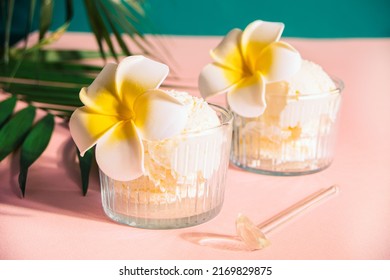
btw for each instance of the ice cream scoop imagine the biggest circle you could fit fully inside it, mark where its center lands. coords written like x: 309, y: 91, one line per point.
x: 254, y: 236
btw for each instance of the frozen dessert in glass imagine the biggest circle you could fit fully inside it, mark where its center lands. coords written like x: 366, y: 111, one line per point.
x: 162, y: 155
x: 285, y: 108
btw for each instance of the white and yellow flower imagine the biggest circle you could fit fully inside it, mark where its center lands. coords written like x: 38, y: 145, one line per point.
x: 244, y: 62
x: 123, y: 106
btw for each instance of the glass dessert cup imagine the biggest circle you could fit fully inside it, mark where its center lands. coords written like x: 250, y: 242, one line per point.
x: 183, y: 184
x: 295, y: 136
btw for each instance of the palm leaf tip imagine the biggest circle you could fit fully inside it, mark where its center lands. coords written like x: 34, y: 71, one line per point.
x: 85, y: 163
x: 33, y: 146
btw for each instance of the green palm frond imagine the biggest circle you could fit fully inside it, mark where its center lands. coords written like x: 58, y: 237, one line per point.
x: 54, y: 88
x: 50, y: 80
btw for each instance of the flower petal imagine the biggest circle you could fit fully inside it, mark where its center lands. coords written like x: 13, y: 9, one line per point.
x: 256, y: 36
x: 102, y: 102
x: 247, y: 98
x: 120, y: 154
x: 279, y: 61
x: 105, y: 80
x: 228, y: 52
x: 158, y: 115
x: 214, y: 79
x: 86, y: 127
x: 101, y: 95
x: 137, y: 74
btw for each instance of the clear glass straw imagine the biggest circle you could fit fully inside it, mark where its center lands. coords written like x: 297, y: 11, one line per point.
x: 255, y: 236
x: 296, y: 209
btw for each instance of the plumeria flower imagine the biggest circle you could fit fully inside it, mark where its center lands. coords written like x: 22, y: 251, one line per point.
x: 244, y: 62
x: 123, y: 106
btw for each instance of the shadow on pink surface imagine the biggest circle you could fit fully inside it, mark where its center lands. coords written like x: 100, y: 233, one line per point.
x: 53, y: 183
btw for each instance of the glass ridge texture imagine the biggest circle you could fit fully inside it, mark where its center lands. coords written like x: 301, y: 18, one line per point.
x: 183, y: 184
x: 296, y: 135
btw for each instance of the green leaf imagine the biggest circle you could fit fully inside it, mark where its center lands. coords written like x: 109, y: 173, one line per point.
x: 53, y: 72
x: 136, y: 5
x: 45, y: 17
x: 8, y: 27
x: 104, y: 31
x: 116, y: 32
x: 56, y: 34
x: 33, y: 146
x: 6, y: 109
x: 89, y: 7
x: 61, y: 56
x: 14, y: 131
x: 85, y: 163
x: 126, y: 17
x: 25, y: 37
x: 29, y: 23
x: 56, y: 95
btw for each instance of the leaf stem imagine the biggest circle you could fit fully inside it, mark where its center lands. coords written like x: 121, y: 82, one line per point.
x: 8, y: 26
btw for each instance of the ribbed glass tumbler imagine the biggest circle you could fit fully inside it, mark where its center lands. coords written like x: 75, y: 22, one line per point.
x: 183, y: 184
x: 296, y: 134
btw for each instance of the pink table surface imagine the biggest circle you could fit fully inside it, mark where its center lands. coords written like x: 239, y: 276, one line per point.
x: 54, y: 221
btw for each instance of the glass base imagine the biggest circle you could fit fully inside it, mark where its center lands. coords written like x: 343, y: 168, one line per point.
x: 183, y: 184
x: 172, y: 223
x: 298, y: 141
x: 284, y: 172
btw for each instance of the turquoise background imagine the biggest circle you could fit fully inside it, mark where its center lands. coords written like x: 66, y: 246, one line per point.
x: 303, y: 18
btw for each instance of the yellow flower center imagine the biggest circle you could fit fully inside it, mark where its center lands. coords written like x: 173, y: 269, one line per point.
x: 125, y: 113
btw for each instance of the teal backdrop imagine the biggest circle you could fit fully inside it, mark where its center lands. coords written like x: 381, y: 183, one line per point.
x: 303, y: 18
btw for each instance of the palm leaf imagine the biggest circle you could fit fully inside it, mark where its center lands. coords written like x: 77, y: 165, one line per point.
x: 29, y: 22
x: 54, y: 88
x: 51, y: 79
x: 6, y: 109
x: 33, y: 146
x: 11, y: 4
x: 57, y: 81
x: 136, y: 5
x: 15, y: 130
x: 46, y: 14
x: 85, y: 163
x: 56, y: 34
x: 115, y: 30
x: 100, y: 31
